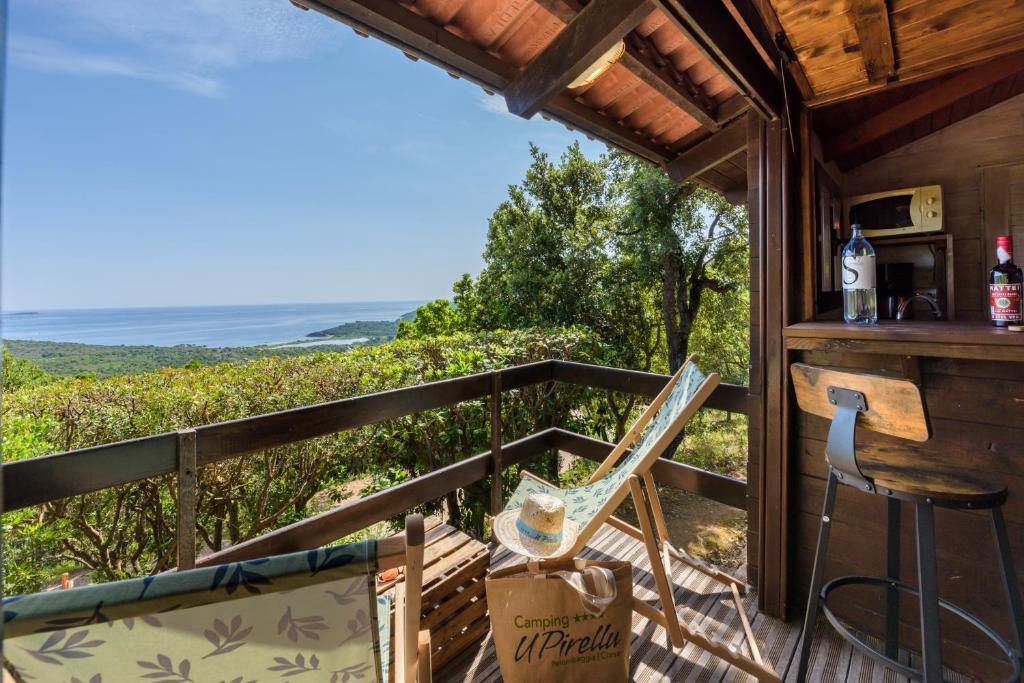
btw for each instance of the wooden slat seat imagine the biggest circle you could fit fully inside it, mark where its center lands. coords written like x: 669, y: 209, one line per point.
x: 908, y: 473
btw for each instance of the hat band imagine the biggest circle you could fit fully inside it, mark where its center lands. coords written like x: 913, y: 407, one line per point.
x: 536, y: 534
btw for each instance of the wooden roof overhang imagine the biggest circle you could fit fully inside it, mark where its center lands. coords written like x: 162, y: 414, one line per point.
x: 880, y: 74
x: 674, y: 98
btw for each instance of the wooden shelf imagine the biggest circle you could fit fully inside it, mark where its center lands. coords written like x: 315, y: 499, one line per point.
x: 942, y: 338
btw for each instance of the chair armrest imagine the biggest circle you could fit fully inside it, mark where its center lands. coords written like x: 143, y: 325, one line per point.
x: 423, y: 666
x: 401, y: 646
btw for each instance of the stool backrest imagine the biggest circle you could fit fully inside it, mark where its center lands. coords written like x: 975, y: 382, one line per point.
x: 893, y: 406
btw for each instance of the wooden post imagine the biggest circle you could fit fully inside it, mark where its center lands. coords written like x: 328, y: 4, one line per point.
x: 549, y: 392
x: 769, y: 176
x: 497, y: 497
x: 186, y: 530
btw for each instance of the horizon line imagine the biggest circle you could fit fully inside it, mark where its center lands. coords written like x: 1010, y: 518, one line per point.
x: 11, y: 311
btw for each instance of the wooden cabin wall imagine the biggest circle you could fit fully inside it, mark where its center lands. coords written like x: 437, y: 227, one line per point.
x: 976, y: 409
x: 964, y: 159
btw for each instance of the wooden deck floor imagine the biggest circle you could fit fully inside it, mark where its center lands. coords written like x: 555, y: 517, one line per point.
x: 703, y: 603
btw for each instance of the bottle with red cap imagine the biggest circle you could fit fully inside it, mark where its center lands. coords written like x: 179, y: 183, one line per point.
x: 1004, y: 286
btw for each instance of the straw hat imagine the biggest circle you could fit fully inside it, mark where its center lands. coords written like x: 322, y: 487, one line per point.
x: 538, y: 529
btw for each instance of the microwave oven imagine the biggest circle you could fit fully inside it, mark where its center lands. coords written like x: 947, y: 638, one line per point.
x: 909, y: 211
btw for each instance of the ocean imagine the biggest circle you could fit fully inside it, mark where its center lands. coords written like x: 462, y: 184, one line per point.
x: 215, y: 326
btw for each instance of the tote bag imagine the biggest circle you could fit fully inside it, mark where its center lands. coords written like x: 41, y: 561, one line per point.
x: 562, y: 620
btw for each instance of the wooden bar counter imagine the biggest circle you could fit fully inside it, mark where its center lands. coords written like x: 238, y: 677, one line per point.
x: 936, y: 338
x: 975, y: 403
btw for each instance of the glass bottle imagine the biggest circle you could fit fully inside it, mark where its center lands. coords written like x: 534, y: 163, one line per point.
x: 860, y: 302
x: 1004, y: 286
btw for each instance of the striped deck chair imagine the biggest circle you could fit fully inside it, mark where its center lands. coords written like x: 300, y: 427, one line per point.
x: 628, y: 472
x: 275, y: 618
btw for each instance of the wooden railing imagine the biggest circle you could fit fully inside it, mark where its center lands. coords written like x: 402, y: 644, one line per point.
x: 36, y: 481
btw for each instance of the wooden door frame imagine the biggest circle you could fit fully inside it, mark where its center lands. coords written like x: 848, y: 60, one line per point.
x: 770, y: 183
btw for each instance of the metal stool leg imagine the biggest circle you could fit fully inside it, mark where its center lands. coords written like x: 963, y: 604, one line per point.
x: 1009, y: 579
x: 814, y: 595
x: 928, y: 584
x: 892, y: 572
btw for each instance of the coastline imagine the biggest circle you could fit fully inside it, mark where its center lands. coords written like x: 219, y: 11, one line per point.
x: 84, y: 359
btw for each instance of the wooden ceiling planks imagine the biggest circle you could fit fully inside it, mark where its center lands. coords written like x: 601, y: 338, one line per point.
x: 865, y: 128
x: 925, y: 104
x: 929, y: 38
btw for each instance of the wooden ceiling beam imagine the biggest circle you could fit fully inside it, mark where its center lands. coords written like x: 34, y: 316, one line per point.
x: 925, y: 104
x: 392, y: 23
x: 871, y: 21
x: 644, y: 62
x: 765, y: 27
x: 590, y: 34
x: 710, y: 152
x: 715, y: 32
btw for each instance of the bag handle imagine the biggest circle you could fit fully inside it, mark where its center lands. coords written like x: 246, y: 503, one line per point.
x: 601, y: 578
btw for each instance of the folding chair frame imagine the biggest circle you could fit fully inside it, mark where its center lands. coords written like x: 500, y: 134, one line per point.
x: 412, y: 645
x: 653, y: 532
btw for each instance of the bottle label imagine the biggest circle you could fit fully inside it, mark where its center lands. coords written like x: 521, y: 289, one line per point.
x: 858, y: 272
x: 1005, y: 302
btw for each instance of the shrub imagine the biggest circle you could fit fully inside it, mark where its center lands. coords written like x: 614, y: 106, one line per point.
x: 129, y: 530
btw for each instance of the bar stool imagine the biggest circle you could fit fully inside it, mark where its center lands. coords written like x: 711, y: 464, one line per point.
x: 895, y: 407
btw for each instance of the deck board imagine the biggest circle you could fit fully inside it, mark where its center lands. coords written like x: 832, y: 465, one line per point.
x: 702, y: 602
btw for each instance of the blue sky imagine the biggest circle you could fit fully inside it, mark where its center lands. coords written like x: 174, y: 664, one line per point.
x: 240, y: 151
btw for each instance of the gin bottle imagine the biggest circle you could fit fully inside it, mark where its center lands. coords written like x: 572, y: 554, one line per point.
x: 860, y: 303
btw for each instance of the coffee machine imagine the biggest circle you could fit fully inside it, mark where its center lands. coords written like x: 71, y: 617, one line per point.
x: 895, y: 281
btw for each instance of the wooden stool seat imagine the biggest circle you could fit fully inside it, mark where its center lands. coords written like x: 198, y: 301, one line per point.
x: 912, y: 475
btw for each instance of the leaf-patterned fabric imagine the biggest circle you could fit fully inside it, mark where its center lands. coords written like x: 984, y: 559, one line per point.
x: 582, y: 504
x: 309, y: 616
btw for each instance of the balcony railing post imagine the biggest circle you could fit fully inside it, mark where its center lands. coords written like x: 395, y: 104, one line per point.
x: 186, y: 529
x: 497, y: 497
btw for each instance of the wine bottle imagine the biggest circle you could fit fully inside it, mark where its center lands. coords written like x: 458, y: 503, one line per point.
x: 1004, y: 286
x: 860, y: 301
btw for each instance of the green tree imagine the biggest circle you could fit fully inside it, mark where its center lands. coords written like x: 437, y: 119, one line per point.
x: 550, y: 261
x: 433, y: 319
x: 688, y: 241
x: 614, y: 245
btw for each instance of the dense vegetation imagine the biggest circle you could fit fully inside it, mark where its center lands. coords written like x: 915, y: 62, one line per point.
x: 19, y: 373
x: 70, y: 359
x: 129, y: 530
x: 598, y: 260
